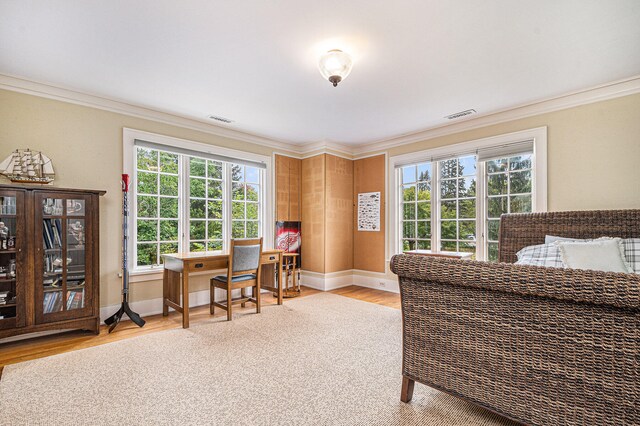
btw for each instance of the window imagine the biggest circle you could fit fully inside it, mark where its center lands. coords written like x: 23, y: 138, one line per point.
x: 452, y: 202
x: 186, y: 201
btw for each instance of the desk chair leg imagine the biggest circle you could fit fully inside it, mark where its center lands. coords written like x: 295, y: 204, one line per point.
x: 256, y: 289
x: 229, y: 305
x: 212, y: 298
x: 242, y: 295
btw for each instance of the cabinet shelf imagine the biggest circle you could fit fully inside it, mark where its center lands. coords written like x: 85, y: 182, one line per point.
x: 43, y: 243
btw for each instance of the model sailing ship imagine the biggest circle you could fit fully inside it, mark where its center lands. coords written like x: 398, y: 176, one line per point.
x: 26, y: 166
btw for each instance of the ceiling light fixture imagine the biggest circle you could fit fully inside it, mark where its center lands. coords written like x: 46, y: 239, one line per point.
x: 335, y: 66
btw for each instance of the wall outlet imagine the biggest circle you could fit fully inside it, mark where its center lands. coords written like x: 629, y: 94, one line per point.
x: 381, y: 284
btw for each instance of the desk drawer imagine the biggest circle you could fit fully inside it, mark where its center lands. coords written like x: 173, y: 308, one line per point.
x: 269, y: 258
x: 206, y: 265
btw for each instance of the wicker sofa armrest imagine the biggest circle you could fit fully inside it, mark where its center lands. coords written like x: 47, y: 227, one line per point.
x: 602, y: 288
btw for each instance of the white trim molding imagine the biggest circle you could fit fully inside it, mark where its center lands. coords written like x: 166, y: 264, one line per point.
x: 615, y: 89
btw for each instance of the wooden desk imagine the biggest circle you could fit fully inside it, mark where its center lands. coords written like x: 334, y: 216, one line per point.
x: 177, y: 268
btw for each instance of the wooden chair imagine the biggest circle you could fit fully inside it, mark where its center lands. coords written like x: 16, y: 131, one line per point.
x: 243, y: 271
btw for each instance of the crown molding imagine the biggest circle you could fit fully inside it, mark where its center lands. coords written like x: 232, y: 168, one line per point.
x: 599, y: 93
x: 58, y: 93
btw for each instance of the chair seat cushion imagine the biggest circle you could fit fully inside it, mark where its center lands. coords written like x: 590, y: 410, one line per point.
x: 238, y: 278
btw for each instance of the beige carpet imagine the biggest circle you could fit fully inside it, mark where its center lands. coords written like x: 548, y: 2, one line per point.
x: 317, y: 360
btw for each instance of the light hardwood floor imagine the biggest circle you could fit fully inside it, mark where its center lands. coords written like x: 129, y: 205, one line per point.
x: 38, y: 347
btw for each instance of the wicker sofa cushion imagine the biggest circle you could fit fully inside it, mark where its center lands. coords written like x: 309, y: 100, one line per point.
x: 599, y: 255
x: 541, y: 255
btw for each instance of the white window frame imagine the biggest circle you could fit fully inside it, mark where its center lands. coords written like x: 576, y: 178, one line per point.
x: 539, y: 181
x: 129, y: 167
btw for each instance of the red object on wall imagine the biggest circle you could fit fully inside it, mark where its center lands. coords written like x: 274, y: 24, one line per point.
x: 288, y: 238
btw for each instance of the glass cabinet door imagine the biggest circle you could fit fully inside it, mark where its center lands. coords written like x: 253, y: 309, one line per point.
x: 12, y: 259
x: 64, y: 250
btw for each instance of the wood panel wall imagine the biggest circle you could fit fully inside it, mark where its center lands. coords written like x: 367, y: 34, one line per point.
x: 288, y: 175
x: 338, y: 214
x: 369, y: 247
x: 313, y: 213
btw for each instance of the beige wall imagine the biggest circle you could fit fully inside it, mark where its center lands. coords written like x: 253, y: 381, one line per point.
x: 85, y: 146
x: 593, y: 153
x: 593, y: 159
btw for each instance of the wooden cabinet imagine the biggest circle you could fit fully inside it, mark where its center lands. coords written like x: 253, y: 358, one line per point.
x: 52, y: 274
x: 288, y: 175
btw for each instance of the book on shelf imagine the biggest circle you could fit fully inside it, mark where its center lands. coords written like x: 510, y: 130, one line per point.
x: 75, y: 299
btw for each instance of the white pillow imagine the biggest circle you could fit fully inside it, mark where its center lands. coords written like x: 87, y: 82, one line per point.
x: 549, y: 239
x: 600, y: 255
x: 540, y: 255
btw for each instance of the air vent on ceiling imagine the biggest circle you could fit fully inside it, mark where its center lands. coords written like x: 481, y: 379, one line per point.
x: 222, y: 119
x: 460, y: 114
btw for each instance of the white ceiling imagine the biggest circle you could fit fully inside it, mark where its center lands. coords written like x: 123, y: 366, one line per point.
x: 255, y: 61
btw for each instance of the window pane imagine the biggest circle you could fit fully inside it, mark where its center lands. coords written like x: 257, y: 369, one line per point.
x: 237, y: 173
x: 215, y: 229
x: 408, y: 245
x: 252, y: 211
x: 467, y: 187
x: 214, y: 246
x: 253, y: 192
x: 495, y: 166
x: 147, y: 254
x: 214, y: 209
x: 467, y: 230
x: 168, y: 163
x: 493, y: 251
x: 237, y: 211
x: 238, y: 191
x: 424, y: 191
x: 169, y: 185
x: 449, y: 246
x: 197, y: 230
x: 449, y: 169
x: 448, y: 210
x: 252, y: 175
x: 520, y: 203
x: 237, y: 229
x: 497, y: 184
x: 409, y: 211
x: 494, y: 229
x: 197, y: 210
x: 520, y: 162
x: 168, y: 230
x: 497, y: 206
x: 215, y: 189
x: 467, y: 166
x: 252, y: 229
x: 197, y: 246
x: 147, y: 159
x: 448, y: 230
x: 424, y: 229
x: 214, y: 169
x: 409, y: 229
x: 424, y: 210
x: 147, y: 206
x: 424, y: 172
x: 147, y: 183
x: 520, y: 182
x: 448, y: 188
x: 169, y: 208
x: 147, y: 230
x: 467, y: 209
x: 197, y: 188
x: 424, y: 244
x: 409, y: 192
x: 467, y: 247
x: 409, y: 174
x: 197, y: 167
x: 168, y: 248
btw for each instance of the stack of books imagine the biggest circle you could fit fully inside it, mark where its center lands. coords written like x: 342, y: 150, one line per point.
x: 51, y: 232
x: 5, y: 297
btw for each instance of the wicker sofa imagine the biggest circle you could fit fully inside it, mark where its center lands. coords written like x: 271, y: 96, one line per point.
x: 542, y: 346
